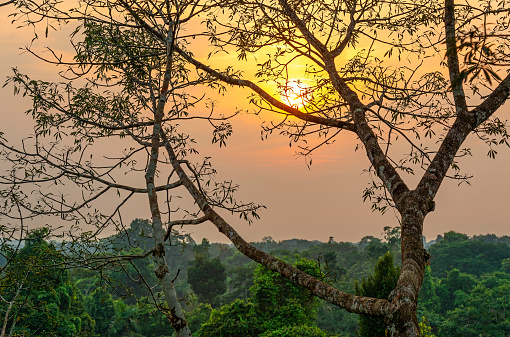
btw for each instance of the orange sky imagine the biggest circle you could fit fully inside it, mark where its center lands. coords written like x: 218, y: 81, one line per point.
x: 301, y: 203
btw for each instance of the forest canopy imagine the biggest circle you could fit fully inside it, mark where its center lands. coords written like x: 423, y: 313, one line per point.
x: 428, y: 74
x: 251, y: 300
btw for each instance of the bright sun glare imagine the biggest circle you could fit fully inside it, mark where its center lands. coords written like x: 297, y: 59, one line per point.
x: 295, y: 93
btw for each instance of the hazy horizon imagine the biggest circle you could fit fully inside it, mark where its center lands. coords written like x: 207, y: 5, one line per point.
x: 315, y: 203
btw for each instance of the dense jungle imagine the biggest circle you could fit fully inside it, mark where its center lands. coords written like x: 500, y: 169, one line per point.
x: 466, y: 291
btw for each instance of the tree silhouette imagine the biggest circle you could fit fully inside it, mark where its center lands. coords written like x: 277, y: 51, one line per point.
x: 376, y: 69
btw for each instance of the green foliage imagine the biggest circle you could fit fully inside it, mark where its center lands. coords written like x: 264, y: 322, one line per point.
x: 463, y: 305
x: 482, y: 312
x: 376, y: 248
x: 36, y: 252
x: 378, y: 285
x: 198, y: 316
x: 425, y: 329
x: 335, y: 319
x: 235, y: 319
x: 130, y: 278
x: 272, y: 293
x: 339, y: 256
x: 428, y: 299
x: 101, y: 307
x: 240, y: 280
x: 201, y: 251
x: 447, y: 288
x: 140, y: 234
x: 276, y: 304
x: 207, y: 277
x: 505, y: 265
x: 392, y: 237
x: 472, y: 256
x: 124, y: 322
x: 261, y: 303
x: 45, y: 301
x: 153, y: 323
x: 295, y: 331
x: 452, y: 236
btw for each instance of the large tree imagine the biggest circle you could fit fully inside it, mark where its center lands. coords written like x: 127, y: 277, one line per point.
x: 372, y: 95
x: 368, y: 71
x: 121, y: 82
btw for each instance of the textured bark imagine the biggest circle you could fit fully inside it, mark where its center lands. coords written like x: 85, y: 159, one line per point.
x: 461, y: 128
x: 355, y: 304
x: 453, y: 59
x: 413, y: 205
x: 404, y: 297
x: 174, y: 313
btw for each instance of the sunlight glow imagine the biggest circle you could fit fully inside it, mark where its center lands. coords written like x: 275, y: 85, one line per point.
x: 295, y: 93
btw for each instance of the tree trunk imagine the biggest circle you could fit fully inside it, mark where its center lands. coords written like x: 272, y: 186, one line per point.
x: 404, y: 298
x: 174, y: 312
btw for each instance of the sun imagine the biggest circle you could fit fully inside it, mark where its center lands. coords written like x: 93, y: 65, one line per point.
x: 295, y: 93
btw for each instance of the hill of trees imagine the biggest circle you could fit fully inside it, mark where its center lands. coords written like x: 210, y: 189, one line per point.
x: 466, y: 291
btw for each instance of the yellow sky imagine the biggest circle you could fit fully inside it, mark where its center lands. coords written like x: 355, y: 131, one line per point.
x: 303, y: 203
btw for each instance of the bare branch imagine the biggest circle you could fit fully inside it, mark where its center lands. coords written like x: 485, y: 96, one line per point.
x: 461, y: 128
x: 7, y: 3
x: 351, y: 303
x: 453, y: 60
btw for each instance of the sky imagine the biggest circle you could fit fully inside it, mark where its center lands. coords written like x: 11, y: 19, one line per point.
x: 313, y: 203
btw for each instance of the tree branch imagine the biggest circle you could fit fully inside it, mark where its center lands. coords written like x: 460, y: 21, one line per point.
x: 351, y: 303
x: 175, y: 314
x: 319, y: 46
x: 453, y: 59
x: 461, y: 128
x: 350, y: 29
x: 7, y: 3
x: 274, y: 102
x: 183, y: 223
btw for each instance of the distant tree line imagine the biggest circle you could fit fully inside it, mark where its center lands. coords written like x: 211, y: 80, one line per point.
x: 466, y: 291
